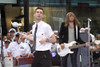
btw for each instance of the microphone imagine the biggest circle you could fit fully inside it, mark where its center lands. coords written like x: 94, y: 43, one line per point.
x: 89, y: 20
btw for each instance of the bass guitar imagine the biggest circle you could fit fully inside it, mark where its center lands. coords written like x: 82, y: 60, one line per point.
x: 67, y: 49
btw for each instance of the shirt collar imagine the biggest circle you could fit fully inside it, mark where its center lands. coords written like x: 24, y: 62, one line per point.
x: 38, y: 23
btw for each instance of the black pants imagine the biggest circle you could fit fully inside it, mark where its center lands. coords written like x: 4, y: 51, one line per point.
x: 64, y: 60
x: 42, y: 59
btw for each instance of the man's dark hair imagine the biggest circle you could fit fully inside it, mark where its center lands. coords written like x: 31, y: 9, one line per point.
x: 39, y: 8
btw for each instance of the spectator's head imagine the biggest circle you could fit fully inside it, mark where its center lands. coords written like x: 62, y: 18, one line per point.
x: 82, y: 30
x: 16, y: 36
x: 7, y: 42
x: 28, y: 33
x: 87, y: 29
x: 4, y: 38
x: 56, y: 32
x: 12, y: 31
x: 8, y: 36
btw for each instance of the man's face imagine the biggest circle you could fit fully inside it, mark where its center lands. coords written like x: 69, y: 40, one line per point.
x: 12, y: 34
x: 16, y: 38
x: 8, y: 36
x: 38, y: 14
x: 7, y: 44
x: 4, y: 38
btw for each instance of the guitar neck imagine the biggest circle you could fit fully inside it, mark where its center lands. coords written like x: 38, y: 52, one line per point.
x: 80, y: 45
x: 76, y: 46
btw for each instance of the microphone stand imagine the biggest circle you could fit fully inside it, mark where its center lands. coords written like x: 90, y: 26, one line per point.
x: 89, y: 20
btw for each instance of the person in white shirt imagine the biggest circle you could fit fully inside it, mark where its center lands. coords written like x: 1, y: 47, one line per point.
x: 54, y: 45
x: 44, y: 38
x: 4, y: 38
x: 7, y: 42
x: 24, y: 48
x: 12, y: 31
x: 14, y: 48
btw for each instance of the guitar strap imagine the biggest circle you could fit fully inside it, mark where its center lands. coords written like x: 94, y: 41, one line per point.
x: 76, y: 32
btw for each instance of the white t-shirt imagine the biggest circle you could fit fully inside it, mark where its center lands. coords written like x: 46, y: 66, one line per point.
x: 24, y: 48
x: 14, y: 49
x: 43, y: 31
x: 54, y: 47
x: 5, y: 51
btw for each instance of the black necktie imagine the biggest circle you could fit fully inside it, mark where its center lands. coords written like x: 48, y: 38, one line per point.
x: 34, y: 42
x: 30, y: 48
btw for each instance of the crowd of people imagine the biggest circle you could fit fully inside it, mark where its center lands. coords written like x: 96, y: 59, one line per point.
x: 14, y: 45
x: 93, y: 45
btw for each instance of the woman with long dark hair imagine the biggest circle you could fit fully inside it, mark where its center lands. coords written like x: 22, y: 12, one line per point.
x: 69, y: 32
